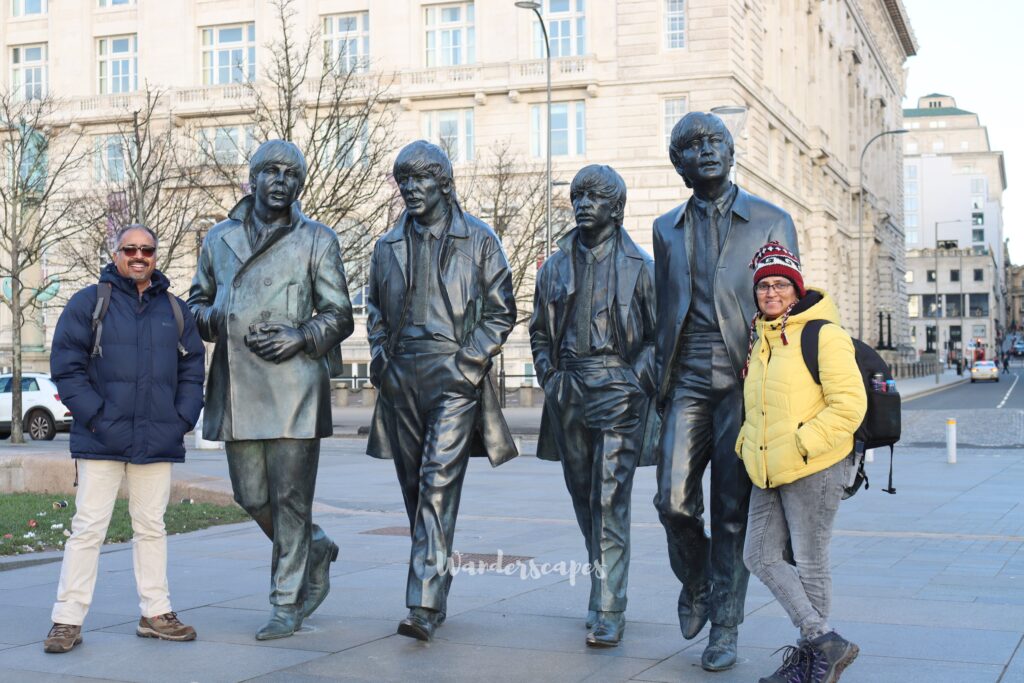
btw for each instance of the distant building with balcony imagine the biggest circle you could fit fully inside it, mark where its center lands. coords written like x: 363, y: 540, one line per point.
x: 818, y: 78
x: 953, y: 186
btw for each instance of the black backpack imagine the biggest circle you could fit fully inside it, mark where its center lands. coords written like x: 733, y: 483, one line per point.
x: 881, y: 425
x: 103, y: 291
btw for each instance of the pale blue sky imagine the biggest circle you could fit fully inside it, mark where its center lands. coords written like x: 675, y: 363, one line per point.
x: 974, y: 51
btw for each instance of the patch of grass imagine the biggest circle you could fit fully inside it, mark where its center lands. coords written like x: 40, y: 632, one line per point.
x: 29, y: 522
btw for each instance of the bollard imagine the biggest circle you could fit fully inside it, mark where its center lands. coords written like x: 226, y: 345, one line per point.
x: 951, y: 440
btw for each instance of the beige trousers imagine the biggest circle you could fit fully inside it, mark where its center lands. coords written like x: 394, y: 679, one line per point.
x: 149, y: 488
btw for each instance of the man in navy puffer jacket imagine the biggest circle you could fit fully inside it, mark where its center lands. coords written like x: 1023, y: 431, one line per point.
x: 132, y: 405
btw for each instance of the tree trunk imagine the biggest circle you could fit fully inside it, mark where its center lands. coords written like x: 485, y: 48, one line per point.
x: 17, y: 435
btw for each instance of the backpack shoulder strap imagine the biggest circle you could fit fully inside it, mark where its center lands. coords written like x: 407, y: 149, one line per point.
x: 809, y: 346
x: 179, y: 320
x: 103, y: 291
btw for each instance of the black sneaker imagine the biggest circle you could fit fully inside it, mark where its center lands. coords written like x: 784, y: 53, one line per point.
x: 796, y: 663
x: 830, y: 655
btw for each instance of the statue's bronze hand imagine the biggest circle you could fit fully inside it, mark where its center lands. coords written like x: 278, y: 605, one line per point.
x: 275, y: 342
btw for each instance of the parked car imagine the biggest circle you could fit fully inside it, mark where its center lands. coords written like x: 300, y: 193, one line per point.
x: 44, y: 414
x: 984, y: 369
x: 1018, y: 348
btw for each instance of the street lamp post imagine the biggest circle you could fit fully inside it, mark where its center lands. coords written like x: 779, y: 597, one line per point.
x: 534, y: 6
x: 860, y: 230
x: 938, y: 346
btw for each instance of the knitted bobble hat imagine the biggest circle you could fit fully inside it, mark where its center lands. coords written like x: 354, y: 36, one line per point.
x: 775, y: 259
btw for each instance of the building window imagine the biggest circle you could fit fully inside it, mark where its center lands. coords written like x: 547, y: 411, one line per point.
x: 977, y: 218
x: 118, y: 67
x: 675, y: 109
x: 978, y: 331
x: 108, y: 161
x: 954, y: 275
x: 115, y: 3
x: 977, y: 186
x: 964, y: 145
x: 675, y: 24
x: 978, y: 305
x: 451, y: 38
x: 910, y: 187
x: 911, y: 147
x: 567, y: 24
x: 910, y: 172
x: 911, y: 236
x: 26, y: 8
x: 452, y: 130
x: 938, y: 145
x: 228, y: 145
x: 979, y: 275
x: 908, y: 277
x: 28, y: 71
x: 909, y: 203
x: 349, y: 146
x: 978, y: 235
x: 954, y: 303
x: 911, y: 220
x: 347, y: 42
x: 928, y: 305
x: 978, y: 203
x: 229, y: 54
x: 930, y: 277
x: 568, y: 129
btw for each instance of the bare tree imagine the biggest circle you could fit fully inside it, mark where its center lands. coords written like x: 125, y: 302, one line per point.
x: 146, y: 171
x: 38, y: 177
x: 508, y: 193
x: 336, y: 111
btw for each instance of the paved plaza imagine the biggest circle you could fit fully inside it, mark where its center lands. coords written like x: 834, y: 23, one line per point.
x: 929, y: 583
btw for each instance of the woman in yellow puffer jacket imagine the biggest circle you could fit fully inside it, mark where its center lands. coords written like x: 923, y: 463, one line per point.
x: 797, y: 445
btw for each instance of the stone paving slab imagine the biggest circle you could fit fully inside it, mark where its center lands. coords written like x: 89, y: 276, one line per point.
x: 929, y: 582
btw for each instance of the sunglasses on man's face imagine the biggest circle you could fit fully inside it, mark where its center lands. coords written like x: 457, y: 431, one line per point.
x: 133, y: 250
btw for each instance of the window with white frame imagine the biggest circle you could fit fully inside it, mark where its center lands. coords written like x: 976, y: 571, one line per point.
x: 118, y: 65
x: 228, y: 145
x: 452, y: 130
x: 910, y: 147
x: 349, y: 145
x: 108, y: 161
x: 675, y: 24
x: 938, y: 145
x: 28, y: 71
x: 913, y: 306
x: 977, y: 185
x: 568, y: 129
x: 674, y: 109
x: 567, y: 29
x: 347, y: 42
x: 450, y: 34
x: 115, y: 3
x: 229, y: 54
x: 910, y: 172
x: 27, y: 8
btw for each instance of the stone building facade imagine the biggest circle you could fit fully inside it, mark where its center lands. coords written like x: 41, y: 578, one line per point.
x: 818, y: 79
x: 953, y: 187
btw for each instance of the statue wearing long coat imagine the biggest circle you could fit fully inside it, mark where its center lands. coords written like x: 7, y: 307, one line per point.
x: 295, y: 277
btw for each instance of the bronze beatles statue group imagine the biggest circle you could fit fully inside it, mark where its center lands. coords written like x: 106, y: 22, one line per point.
x: 639, y: 360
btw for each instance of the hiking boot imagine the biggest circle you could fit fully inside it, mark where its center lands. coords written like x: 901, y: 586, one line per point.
x: 62, y: 638
x: 796, y: 662
x: 164, y: 627
x: 830, y: 655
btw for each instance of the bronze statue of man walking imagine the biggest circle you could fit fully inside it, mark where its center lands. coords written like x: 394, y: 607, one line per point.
x: 592, y: 335
x: 440, y: 306
x: 270, y: 292
x: 701, y: 252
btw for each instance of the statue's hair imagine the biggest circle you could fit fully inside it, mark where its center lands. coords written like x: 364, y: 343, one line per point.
x: 278, y: 152
x: 424, y: 157
x: 604, y: 181
x: 693, y: 125
x: 119, y: 237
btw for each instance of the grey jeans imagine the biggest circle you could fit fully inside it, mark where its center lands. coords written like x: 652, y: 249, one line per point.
x: 802, y: 514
